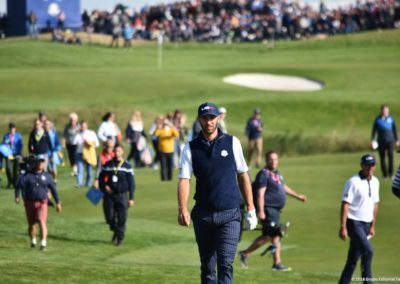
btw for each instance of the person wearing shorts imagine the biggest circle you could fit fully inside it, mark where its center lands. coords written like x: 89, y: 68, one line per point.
x: 271, y: 198
x: 34, y: 186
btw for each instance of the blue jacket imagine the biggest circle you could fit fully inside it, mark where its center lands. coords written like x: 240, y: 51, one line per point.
x: 17, y: 144
x: 119, y: 178
x: 386, y: 129
x: 252, y: 128
x: 35, y: 186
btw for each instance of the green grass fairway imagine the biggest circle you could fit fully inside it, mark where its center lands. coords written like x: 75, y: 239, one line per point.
x: 157, y: 250
x: 360, y: 71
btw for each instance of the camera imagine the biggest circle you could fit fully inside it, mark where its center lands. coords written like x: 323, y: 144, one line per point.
x: 27, y: 165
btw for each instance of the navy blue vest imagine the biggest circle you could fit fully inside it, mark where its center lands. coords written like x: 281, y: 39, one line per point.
x: 215, y: 170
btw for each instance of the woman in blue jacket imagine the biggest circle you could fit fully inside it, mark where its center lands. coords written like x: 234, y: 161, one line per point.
x: 13, y: 140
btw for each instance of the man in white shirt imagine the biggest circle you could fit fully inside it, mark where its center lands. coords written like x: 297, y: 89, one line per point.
x: 359, y: 209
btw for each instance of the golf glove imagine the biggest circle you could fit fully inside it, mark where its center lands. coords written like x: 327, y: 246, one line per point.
x: 251, y: 220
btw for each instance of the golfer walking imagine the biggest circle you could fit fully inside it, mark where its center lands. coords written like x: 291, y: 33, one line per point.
x: 217, y: 161
x: 357, y: 219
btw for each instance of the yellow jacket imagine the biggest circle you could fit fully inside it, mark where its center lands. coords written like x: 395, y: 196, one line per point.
x: 166, y: 138
x: 89, y: 154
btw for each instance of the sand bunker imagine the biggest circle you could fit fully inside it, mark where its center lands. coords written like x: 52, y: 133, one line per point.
x: 274, y: 82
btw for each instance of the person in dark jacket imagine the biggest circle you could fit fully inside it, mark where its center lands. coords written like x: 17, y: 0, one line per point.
x: 254, y: 128
x: 135, y: 130
x: 385, y: 128
x: 39, y: 142
x: 34, y: 186
x: 14, y: 140
x: 117, y: 181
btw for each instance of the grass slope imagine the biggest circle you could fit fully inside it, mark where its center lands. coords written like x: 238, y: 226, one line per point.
x: 360, y: 73
x: 157, y: 250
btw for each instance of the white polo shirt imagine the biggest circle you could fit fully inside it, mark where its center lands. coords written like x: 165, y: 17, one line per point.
x: 362, y: 195
x: 186, y: 169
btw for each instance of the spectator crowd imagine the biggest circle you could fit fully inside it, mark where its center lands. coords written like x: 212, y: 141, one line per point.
x: 228, y: 21
x: 158, y: 147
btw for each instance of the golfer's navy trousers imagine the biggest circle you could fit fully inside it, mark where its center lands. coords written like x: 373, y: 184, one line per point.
x: 217, y: 236
x: 359, y: 246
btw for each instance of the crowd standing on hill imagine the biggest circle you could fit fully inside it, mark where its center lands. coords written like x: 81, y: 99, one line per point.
x: 229, y: 21
x: 225, y: 21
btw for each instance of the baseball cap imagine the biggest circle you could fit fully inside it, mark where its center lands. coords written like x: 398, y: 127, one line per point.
x: 40, y: 157
x: 207, y: 109
x: 257, y: 111
x: 368, y: 160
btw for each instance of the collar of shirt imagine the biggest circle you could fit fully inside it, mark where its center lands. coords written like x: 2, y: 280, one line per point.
x: 210, y: 143
x: 362, y: 176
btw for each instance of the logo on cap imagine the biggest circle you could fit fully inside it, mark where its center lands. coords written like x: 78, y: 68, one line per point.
x: 207, y: 108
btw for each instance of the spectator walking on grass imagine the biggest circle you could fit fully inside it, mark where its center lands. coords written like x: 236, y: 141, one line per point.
x: 106, y: 155
x: 32, y: 25
x: 222, y: 124
x: 109, y: 130
x: 118, y: 183
x: 13, y: 140
x: 127, y: 33
x: 133, y: 133
x: 35, y: 187
x: 71, y: 130
x: 270, y: 192
x: 39, y: 142
x: 166, y: 135
x: 385, y: 129
x: 86, y: 158
x: 359, y: 209
x: 56, y: 149
x: 253, y: 132
x: 154, y: 139
x: 179, y: 121
x: 217, y: 161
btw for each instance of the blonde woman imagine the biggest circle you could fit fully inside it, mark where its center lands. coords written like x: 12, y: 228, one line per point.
x: 133, y: 133
x: 69, y: 134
